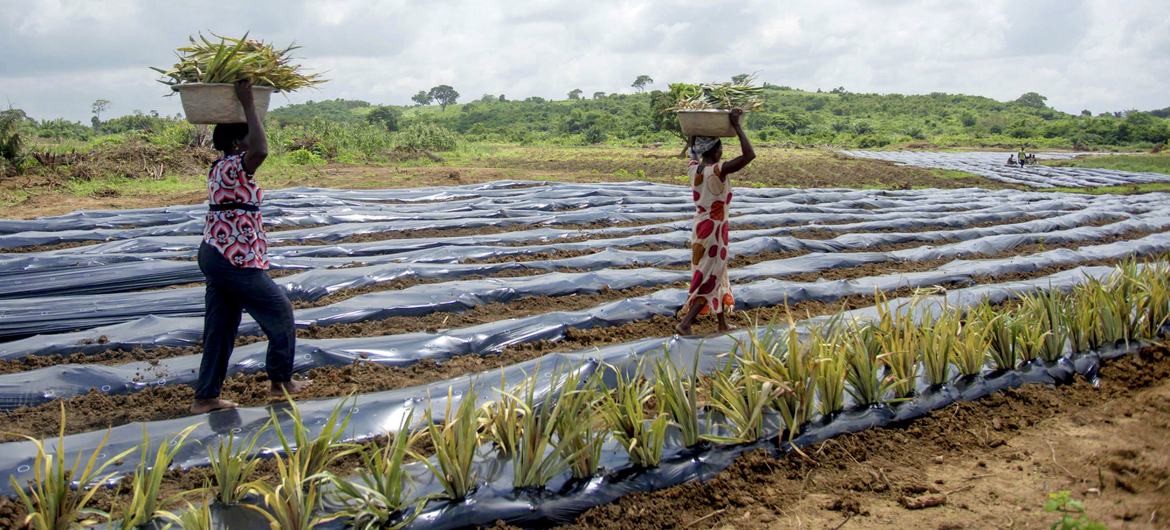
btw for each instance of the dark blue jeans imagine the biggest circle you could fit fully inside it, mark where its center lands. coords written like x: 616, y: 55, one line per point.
x: 230, y: 291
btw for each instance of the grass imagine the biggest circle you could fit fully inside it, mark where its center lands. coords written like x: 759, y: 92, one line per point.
x: 479, y: 162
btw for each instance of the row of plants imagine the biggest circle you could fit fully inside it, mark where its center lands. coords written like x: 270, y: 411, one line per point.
x: 775, y: 373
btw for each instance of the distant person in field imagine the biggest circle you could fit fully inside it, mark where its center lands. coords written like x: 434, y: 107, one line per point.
x: 233, y: 258
x: 1032, y: 159
x: 710, y: 290
x: 1011, y: 160
x: 1022, y: 157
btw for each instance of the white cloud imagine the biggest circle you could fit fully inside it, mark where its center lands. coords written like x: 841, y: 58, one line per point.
x: 60, y: 55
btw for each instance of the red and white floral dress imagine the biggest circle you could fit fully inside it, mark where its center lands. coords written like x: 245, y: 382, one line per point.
x: 238, y: 234
x: 709, y: 239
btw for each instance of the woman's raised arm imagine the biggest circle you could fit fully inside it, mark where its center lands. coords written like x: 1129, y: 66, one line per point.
x: 749, y: 154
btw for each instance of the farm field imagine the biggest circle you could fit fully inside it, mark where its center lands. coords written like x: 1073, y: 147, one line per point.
x: 615, y: 265
x: 408, y: 288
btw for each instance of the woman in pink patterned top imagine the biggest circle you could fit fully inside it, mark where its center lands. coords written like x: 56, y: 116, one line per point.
x: 233, y: 258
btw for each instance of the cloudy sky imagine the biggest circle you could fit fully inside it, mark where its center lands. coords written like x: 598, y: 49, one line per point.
x: 57, y: 56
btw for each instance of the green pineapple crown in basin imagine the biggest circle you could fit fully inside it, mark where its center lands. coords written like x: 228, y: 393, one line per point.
x: 231, y: 59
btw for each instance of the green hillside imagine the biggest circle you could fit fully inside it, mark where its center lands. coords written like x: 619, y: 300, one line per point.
x: 838, y: 118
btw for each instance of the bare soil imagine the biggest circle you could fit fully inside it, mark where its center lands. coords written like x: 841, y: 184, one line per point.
x: 987, y: 464
x: 984, y: 464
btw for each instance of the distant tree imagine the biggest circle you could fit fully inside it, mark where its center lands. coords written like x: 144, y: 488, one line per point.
x: 660, y: 118
x: 443, y: 95
x: 1032, y: 99
x: 422, y: 98
x: 502, y: 98
x: 487, y: 98
x: 534, y: 99
x: 642, y: 82
x: 575, y: 93
x: 969, y: 119
x: 598, y: 95
x: 98, y: 108
x: 839, y: 90
x: 740, y: 78
x: 387, y: 117
x: 1086, y: 112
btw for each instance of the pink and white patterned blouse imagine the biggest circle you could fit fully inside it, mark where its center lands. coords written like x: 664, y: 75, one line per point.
x: 238, y: 234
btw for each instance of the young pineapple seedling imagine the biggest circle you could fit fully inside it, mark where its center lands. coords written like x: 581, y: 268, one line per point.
x: 455, y: 443
x: 624, y: 410
x: 863, y: 369
x: 233, y: 463
x: 972, y: 345
x: 897, y: 334
x: 678, y: 395
x: 143, y: 504
x: 535, y: 462
x: 831, y: 358
x: 580, y: 430
x: 51, y: 500
x: 937, y: 345
x: 741, y: 400
x: 378, y: 497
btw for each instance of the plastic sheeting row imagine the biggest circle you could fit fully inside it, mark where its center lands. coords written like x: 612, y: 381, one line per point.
x: 310, y: 206
x: 46, y: 315
x: 129, y: 327
x: 994, y: 166
x: 61, y: 381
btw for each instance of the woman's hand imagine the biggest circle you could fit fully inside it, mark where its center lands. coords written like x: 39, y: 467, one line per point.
x: 735, y: 116
x: 749, y: 154
x: 244, y: 92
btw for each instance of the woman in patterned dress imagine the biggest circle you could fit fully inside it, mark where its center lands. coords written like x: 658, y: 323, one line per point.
x: 233, y: 258
x: 710, y: 290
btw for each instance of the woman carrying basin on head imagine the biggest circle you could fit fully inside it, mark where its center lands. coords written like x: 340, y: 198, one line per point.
x: 233, y: 258
x: 710, y: 290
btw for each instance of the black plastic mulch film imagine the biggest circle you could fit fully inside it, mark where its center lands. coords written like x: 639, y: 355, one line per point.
x: 159, y: 257
x: 994, y: 166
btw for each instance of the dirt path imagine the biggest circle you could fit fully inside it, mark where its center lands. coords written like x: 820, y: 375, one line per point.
x: 993, y: 462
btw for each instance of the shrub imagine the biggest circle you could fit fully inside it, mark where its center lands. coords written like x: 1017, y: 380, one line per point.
x: 304, y: 157
x: 11, y: 139
x: 423, y: 136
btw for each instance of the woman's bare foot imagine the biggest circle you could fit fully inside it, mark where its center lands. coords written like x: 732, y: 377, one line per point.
x: 203, y: 406
x: 291, y: 387
x: 724, y: 327
x: 682, y: 329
